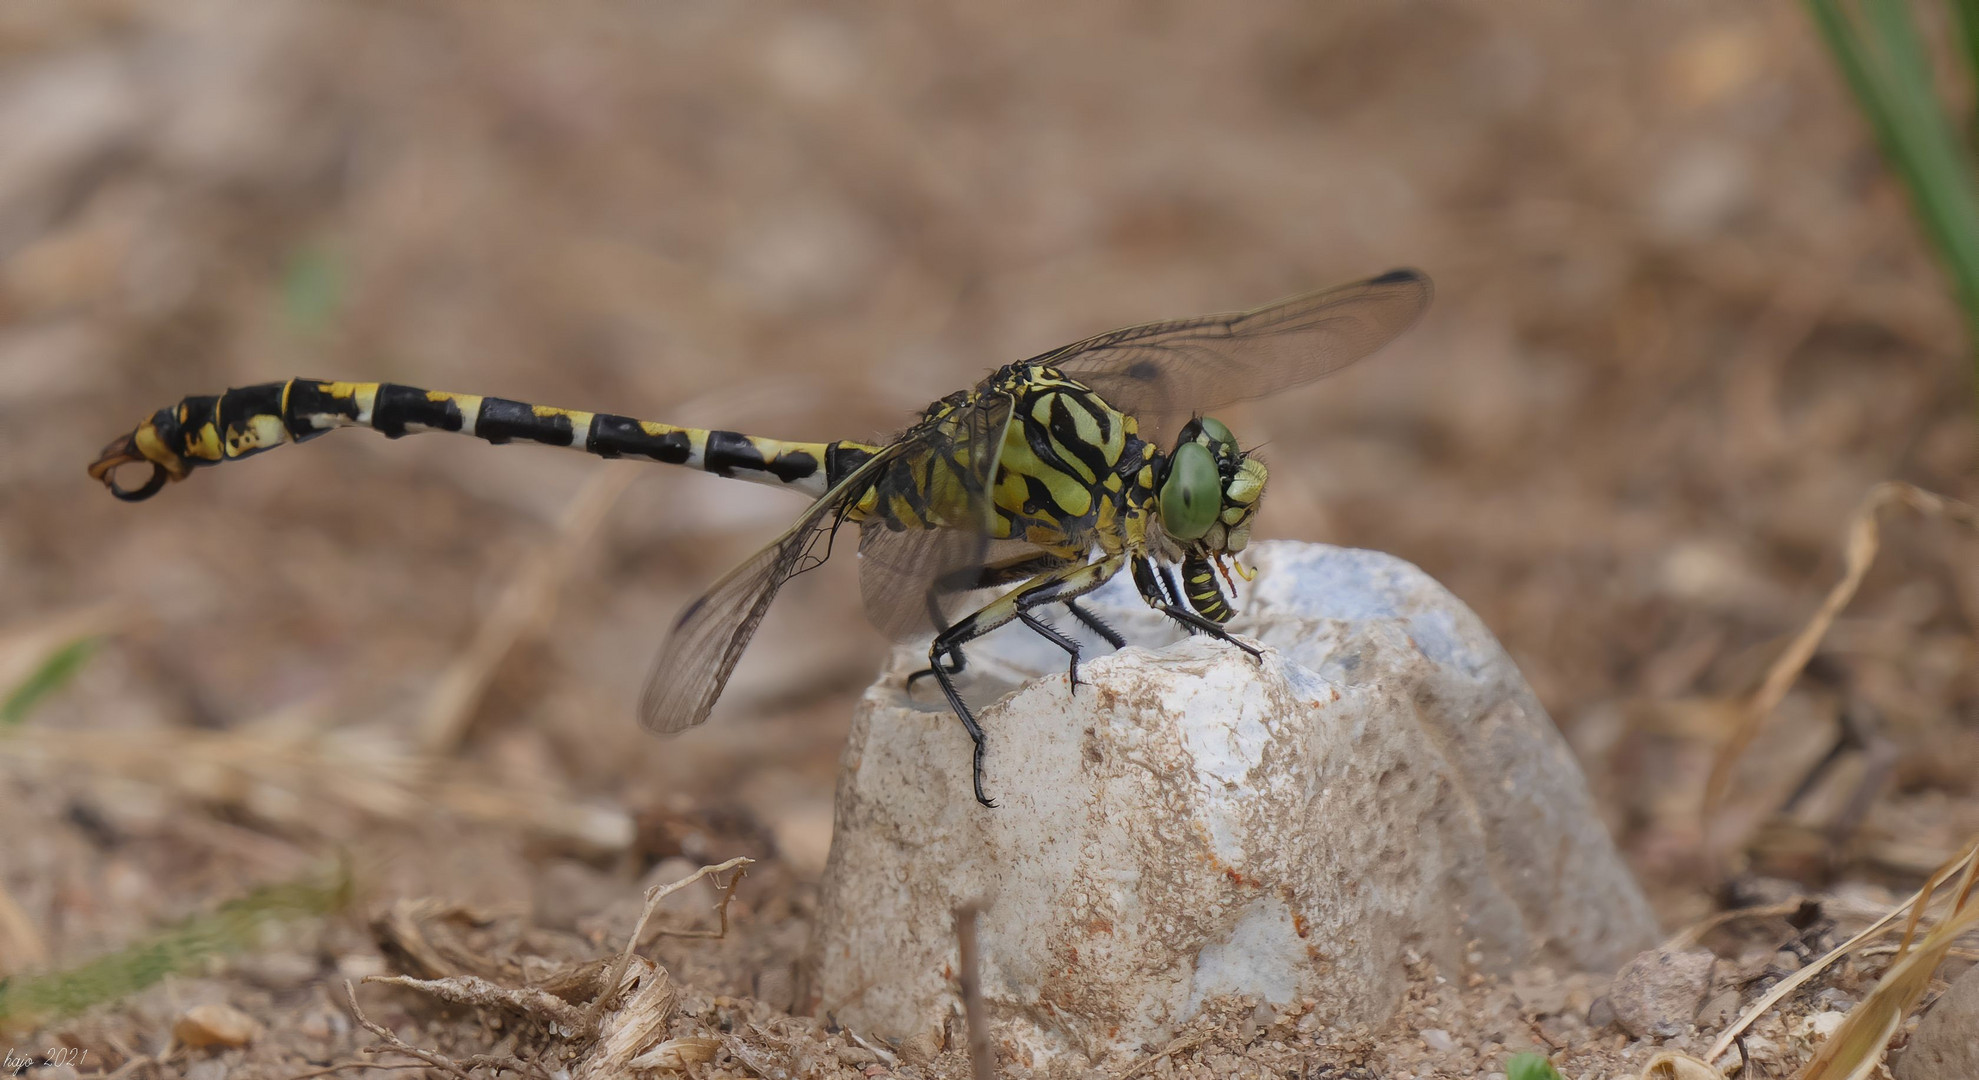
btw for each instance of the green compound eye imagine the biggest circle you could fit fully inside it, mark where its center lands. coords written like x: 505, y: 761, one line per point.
x: 1192, y: 494
x: 1217, y: 432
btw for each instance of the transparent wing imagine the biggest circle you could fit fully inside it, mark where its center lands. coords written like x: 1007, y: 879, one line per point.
x: 914, y: 579
x: 710, y: 635
x: 1167, y: 369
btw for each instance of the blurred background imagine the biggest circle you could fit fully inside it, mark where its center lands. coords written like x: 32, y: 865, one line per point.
x: 1684, y: 322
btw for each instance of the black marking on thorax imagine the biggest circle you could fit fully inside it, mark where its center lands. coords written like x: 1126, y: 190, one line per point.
x: 1064, y: 427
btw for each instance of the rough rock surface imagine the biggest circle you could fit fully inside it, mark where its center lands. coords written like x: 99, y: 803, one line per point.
x: 1192, y: 824
x: 1946, y: 1046
x: 1659, y: 992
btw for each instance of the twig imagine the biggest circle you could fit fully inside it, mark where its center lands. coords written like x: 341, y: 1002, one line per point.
x: 877, y: 1050
x: 524, y: 607
x: 21, y: 947
x: 982, y: 1063
x: 721, y: 910
x: 393, y: 1042
x: 653, y: 897
x: 1858, y: 553
x: 1690, y: 935
x: 1793, y: 982
x: 358, y: 1063
x: 1173, y: 1048
x: 475, y: 990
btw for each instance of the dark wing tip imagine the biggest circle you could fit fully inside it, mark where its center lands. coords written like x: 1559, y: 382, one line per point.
x: 1400, y: 275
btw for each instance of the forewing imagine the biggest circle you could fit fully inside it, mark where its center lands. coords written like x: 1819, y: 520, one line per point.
x: 914, y: 579
x: 710, y: 635
x: 1169, y: 369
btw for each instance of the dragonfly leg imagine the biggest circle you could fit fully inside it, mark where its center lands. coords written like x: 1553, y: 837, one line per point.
x: 1158, y: 592
x: 989, y: 577
x: 1050, y: 633
x: 1054, y: 586
x: 1096, y: 624
x: 953, y: 663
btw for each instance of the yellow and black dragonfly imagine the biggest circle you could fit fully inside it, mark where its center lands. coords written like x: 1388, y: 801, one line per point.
x: 1038, y: 478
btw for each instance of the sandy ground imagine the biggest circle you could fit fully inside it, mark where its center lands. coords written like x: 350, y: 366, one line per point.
x: 1683, y: 325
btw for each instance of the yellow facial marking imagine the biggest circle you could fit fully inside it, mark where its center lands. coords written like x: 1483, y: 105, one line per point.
x: 1248, y: 484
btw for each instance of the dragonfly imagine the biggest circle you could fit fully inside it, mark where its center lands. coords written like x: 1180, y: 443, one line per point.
x: 1044, y: 480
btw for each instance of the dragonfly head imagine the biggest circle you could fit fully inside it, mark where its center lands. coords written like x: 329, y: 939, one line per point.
x: 1209, y: 491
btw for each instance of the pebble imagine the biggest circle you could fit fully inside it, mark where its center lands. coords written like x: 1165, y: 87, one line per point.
x: 1438, y: 1040
x: 1658, y: 993
x: 1721, y: 1009
x: 1823, y: 1024
x: 279, y: 970
x: 214, y: 1025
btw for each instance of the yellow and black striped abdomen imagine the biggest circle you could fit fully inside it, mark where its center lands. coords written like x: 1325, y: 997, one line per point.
x: 1200, y: 587
x: 210, y: 429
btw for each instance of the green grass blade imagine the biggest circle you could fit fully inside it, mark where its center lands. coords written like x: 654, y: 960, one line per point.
x: 1965, y: 23
x: 54, y: 673
x: 1883, y: 58
x: 30, y: 1000
x: 1530, y: 1067
x: 1946, y: 191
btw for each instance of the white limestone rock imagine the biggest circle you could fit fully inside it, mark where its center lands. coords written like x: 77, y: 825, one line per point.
x: 1191, y: 823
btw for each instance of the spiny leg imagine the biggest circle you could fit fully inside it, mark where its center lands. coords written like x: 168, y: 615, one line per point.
x: 1066, y: 582
x: 1051, y: 633
x: 1155, y: 590
x: 986, y: 577
x: 1096, y: 625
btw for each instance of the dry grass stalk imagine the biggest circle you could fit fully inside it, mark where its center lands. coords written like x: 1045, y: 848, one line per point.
x: 1788, y: 985
x: 477, y: 991
x: 1671, y: 1065
x: 1178, y: 1046
x: 21, y: 946
x: 524, y: 609
x: 1690, y: 935
x: 654, y: 896
x: 625, y: 1021
x: 678, y: 1054
x: 640, y: 1022
x: 1859, y: 552
x: 25, y: 645
x: 300, y: 776
x: 721, y: 914
x: 390, y: 1043
x: 982, y: 1062
x: 408, y: 932
x: 1856, y: 1048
